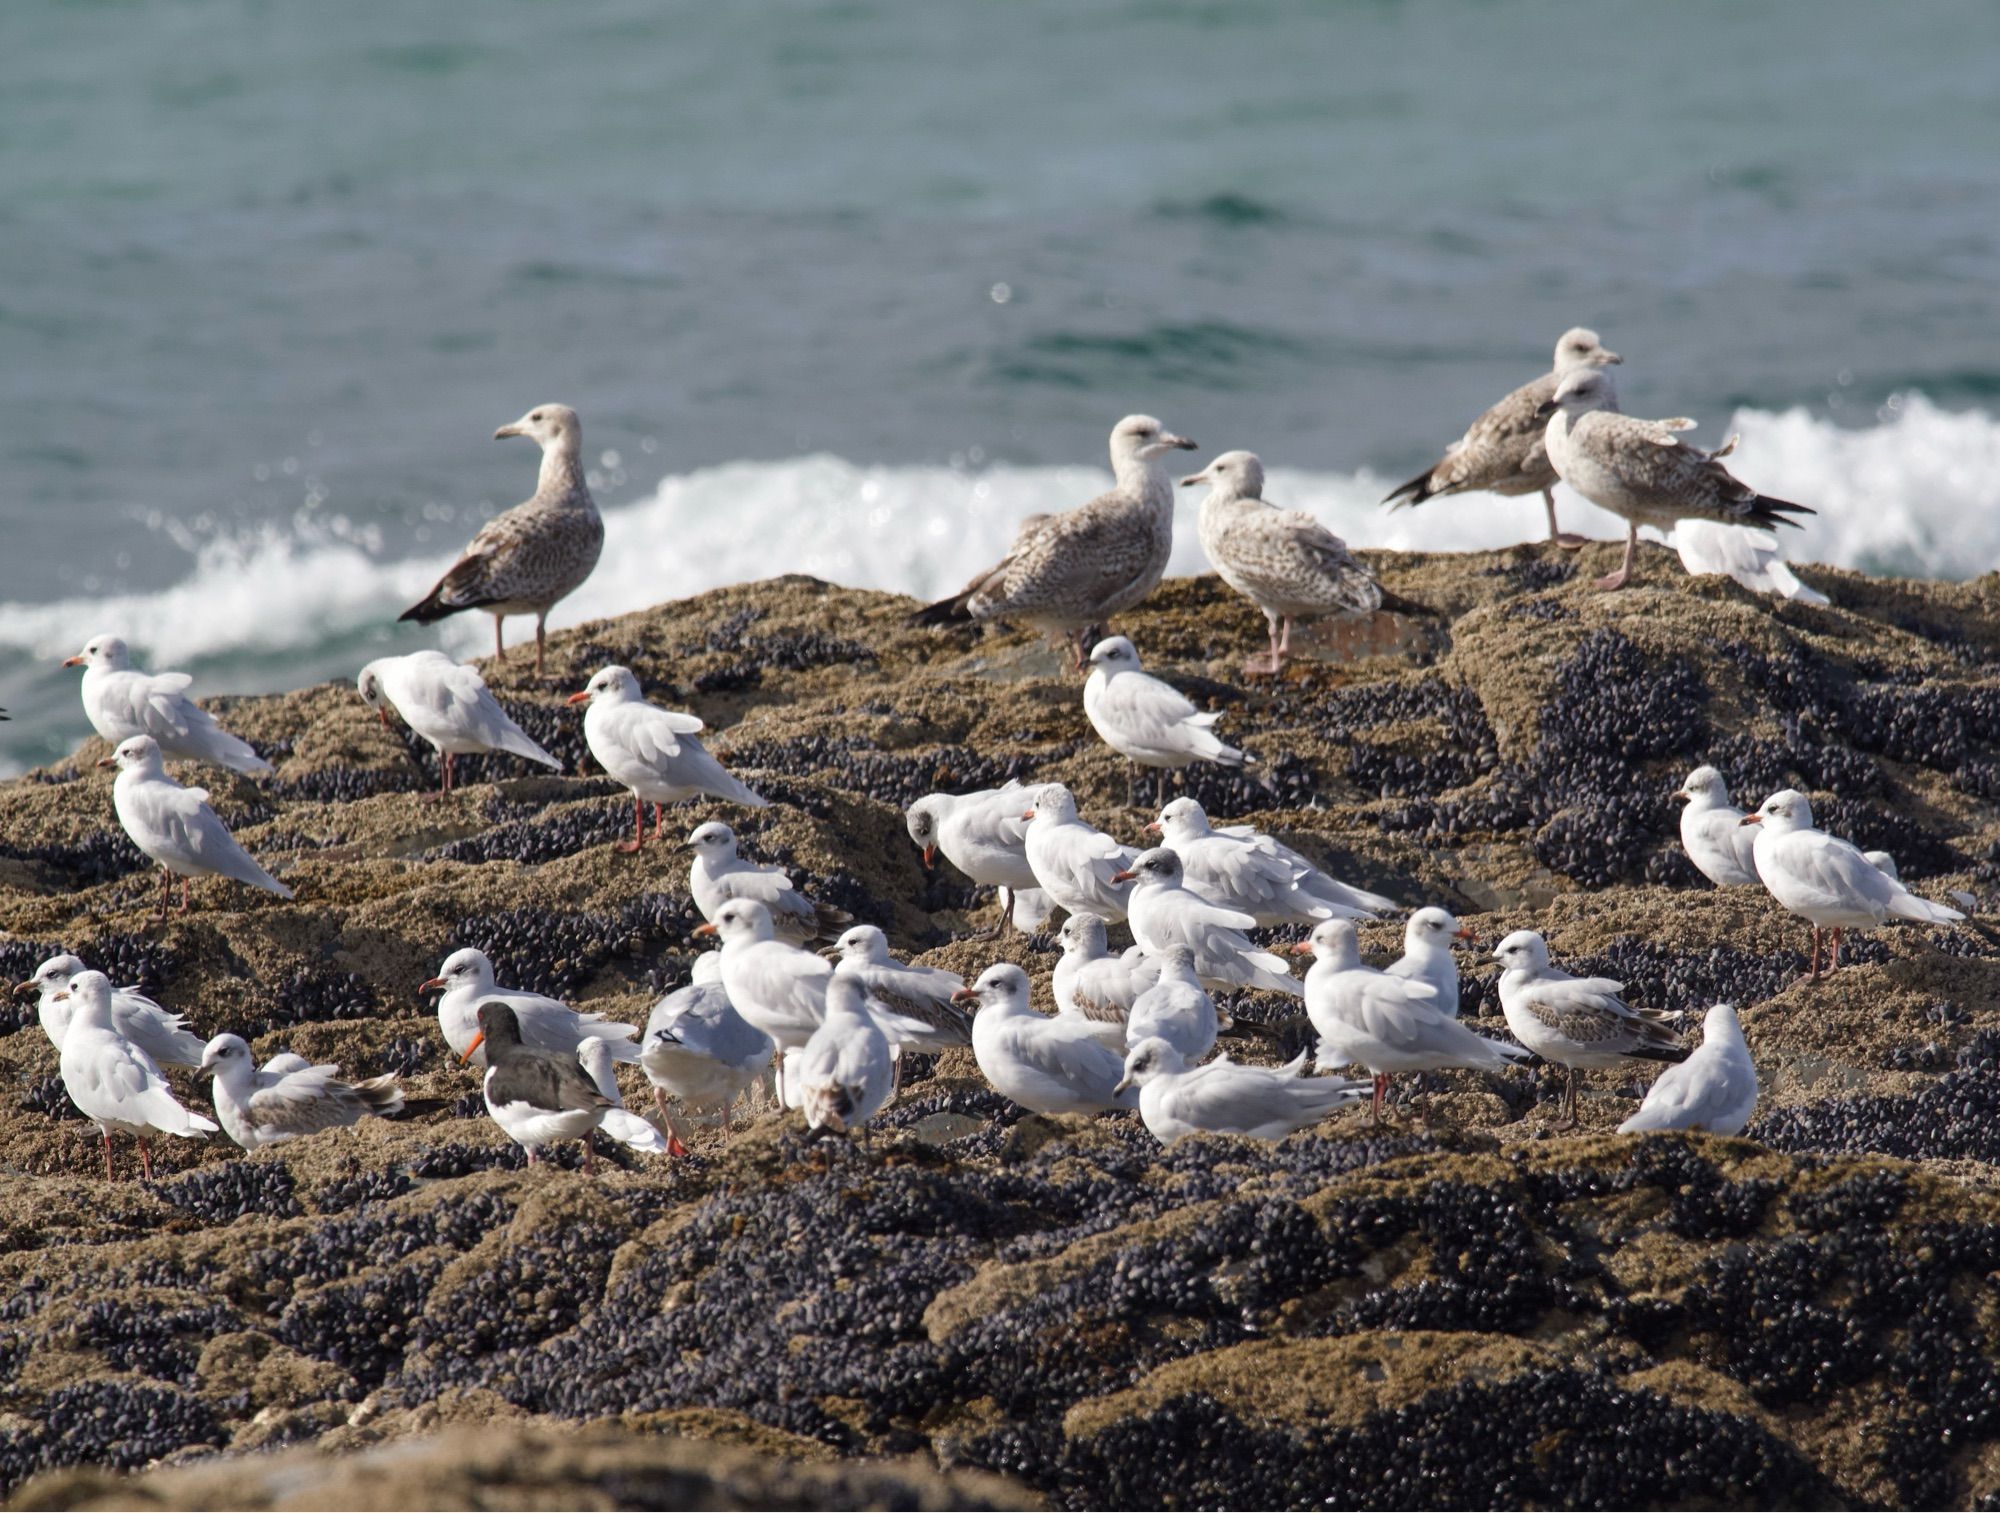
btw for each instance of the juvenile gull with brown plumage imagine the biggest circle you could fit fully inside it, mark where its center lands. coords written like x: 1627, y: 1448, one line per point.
x: 285, y: 1100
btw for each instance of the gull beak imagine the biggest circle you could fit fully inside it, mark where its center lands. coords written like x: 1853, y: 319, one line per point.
x: 110, y: 761
x: 1183, y: 443
x: 1464, y: 933
x: 23, y: 989
x: 966, y: 995
x: 383, y: 716
x: 1123, y: 877
x: 1612, y: 358
x: 930, y: 857
x: 1680, y: 793
x: 477, y: 1041
x: 1193, y: 478
x: 1154, y: 828
x: 1030, y: 814
x: 1300, y: 948
x: 704, y: 929
x: 1123, y: 1083
x: 76, y: 661
x: 578, y: 698
x: 435, y: 985
x: 62, y: 996
x: 1752, y: 819
x: 206, y: 1069
x: 513, y: 428
x: 1545, y: 409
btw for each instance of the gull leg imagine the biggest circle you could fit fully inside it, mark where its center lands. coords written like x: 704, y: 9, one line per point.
x: 499, y: 651
x: 166, y: 893
x: 444, y: 770
x: 1812, y: 970
x: 541, y: 637
x: 1569, y: 541
x: 638, y: 827
x: 531, y: 1154
x: 1381, y: 1092
x: 1078, y: 649
x: 659, y: 822
x: 589, y: 1155
x: 109, y: 1175
x: 145, y: 1158
x: 1833, y: 962
x: 1132, y: 786
x: 1268, y: 664
x: 187, y: 884
x: 1004, y: 923
x: 1624, y: 574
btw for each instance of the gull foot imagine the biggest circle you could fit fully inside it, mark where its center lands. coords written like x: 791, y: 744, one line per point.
x: 1569, y: 541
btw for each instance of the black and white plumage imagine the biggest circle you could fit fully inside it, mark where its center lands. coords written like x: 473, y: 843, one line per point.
x: 1069, y: 571
x: 448, y: 704
x: 1712, y: 831
x: 918, y: 994
x: 161, y: 1034
x: 288, y: 1097
x: 654, y: 752
x: 719, y: 873
x: 1148, y: 722
x: 1165, y: 912
x: 1225, y: 1097
x: 1075, y: 862
x: 1826, y: 881
x: 466, y: 980
x: 1095, y: 988
x: 699, y: 1050
x: 1238, y: 868
x: 538, y: 1097
x: 114, y: 1083
x: 1641, y: 471
x: 523, y: 562
x: 1504, y: 451
x: 121, y: 702
x: 1575, y: 1022
x: 174, y: 825
x: 1175, y: 1009
x: 984, y: 836
x: 1715, y: 1089
x: 1283, y: 561
x: 846, y: 1070
x: 1048, y: 1066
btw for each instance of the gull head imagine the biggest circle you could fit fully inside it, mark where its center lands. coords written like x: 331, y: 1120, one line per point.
x: 863, y: 943
x: 372, y: 692
x: 1784, y: 811
x: 614, y: 685
x: 468, y: 970
x: 1706, y: 785
x: 1140, y: 438
x: 1150, y: 1058
x: 1001, y: 986
x: 1233, y: 475
x: 1083, y: 935
x: 1434, y: 926
x: 550, y: 425
x: 1721, y: 1023
x: 741, y: 920
x: 1580, y: 391
x: 1881, y: 861
x: 90, y: 992
x: 1579, y: 347
x: 1115, y: 654
x: 1053, y: 800
x: 921, y: 820
x: 1182, y: 820
x: 1523, y: 951
x: 108, y: 652
x: 1332, y: 941
x: 714, y: 842
x: 227, y: 1057
x: 1161, y: 867
x: 51, y: 977
x: 1177, y: 961
x: 139, y: 753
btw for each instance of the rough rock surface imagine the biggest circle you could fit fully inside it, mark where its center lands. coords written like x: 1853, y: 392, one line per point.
x: 1458, y: 1309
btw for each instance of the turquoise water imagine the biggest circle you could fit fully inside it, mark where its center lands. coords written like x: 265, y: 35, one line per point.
x: 276, y: 271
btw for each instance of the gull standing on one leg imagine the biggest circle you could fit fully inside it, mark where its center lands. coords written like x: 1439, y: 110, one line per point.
x: 448, y: 704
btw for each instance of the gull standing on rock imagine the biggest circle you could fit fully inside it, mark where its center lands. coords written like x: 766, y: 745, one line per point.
x: 113, y: 1082
x: 537, y: 1097
x: 1241, y: 869
x: 1715, y: 1089
x: 1712, y: 831
x: 1075, y: 863
x: 652, y: 751
x: 1175, y: 1009
x: 1750, y: 557
x: 1826, y: 881
x: 1151, y: 723
x: 121, y: 702
x: 1166, y: 912
x: 620, y: 1123
x: 1225, y: 1097
x: 175, y: 827
x: 1576, y: 1022
x: 447, y: 703
x: 1048, y: 1066
x: 699, y: 1049
x: 284, y: 1101
x: 719, y: 874
x: 525, y: 560
x: 1068, y: 572
x: 466, y: 981
x: 846, y: 1071
x: 924, y: 995
x: 1641, y: 471
x: 162, y: 1035
x: 776, y: 987
x: 1504, y: 450
x: 1095, y: 988
x: 1283, y: 561
x: 1383, y: 1022
x: 1427, y: 938
x: 983, y: 835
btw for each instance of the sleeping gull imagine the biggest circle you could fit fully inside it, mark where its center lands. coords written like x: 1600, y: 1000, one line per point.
x: 1715, y: 1089
x: 466, y: 980
x: 537, y: 1097
x: 1176, y: 1008
x: 983, y: 835
x: 699, y: 1049
x: 284, y: 1101
x: 1151, y: 723
x: 1166, y: 912
x: 113, y: 1082
x: 160, y: 1034
x: 175, y: 827
x: 719, y: 874
x: 1227, y: 1098
x: 1068, y: 572
x: 1576, y: 1022
x: 652, y: 751
x: 845, y: 1073
x: 121, y: 702
x: 1712, y: 831
x: 1827, y: 881
x: 1048, y: 1066
x: 1283, y: 561
x: 620, y: 1123
x: 1642, y: 471
x: 446, y: 703
x: 1095, y: 988
x: 1074, y: 862
x: 1749, y: 556
x: 1384, y: 1022
x: 1240, y: 869
x: 1504, y: 452
x: 525, y: 560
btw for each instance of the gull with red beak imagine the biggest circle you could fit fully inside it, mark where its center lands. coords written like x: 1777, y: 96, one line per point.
x: 447, y: 703
x: 526, y: 560
x: 1427, y: 938
x: 175, y: 827
x: 158, y: 1032
x: 1048, y: 1066
x: 1712, y: 831
x: 1165, y: 912
x: 121, y: 702
x: 652, y: 751
x: 984, y: 836
x: 1077, y: 865
x: 719, y: 874
x: 113, y: 1082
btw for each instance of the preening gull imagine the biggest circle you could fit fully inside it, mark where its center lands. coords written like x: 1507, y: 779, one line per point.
x: 1712, y: 831
x: 1151, y: 723
x: 284, y: 1101
x: 160, y: 1034
x: 537, y: 1097
x: 466, y: 980
x: 846, y: 1072
x: 719, y: 874
x: 525, y: 560
x: 1749, y: 556
x: 175, y: 827
x: 1715, y: 1089
x: 121, y: 702
x: 1240, y: 869
x: 1166, y: 912
x: 1504, y: 451
x: 1225, y: 1097
x: 1068, y: 572
x: 1048, y: 1066
x: 983, y: 835
x: 1826, y: 881
x: 113, y: 1082
x: 1074, y: 862
x: 447, y: 703
x: 1642, y: 471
